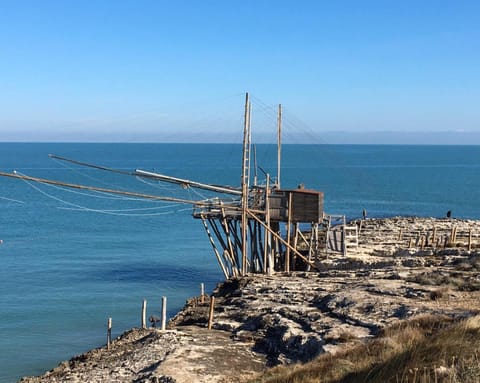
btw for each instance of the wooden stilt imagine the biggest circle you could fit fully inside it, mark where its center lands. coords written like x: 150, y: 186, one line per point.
x: 280, y: 239
x: 212, y: 242
x: 295, y: 244
x: 267, y: 267
x: 231, y: 250
x: 289, y: 228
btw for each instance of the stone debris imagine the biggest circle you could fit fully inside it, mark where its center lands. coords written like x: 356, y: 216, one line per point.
x: 262, y: 321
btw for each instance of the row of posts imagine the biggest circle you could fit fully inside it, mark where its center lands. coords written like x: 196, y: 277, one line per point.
x: 448, y: 240
x: 164, y: 315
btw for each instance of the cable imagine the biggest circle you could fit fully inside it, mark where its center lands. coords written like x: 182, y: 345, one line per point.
x: 83, y: 208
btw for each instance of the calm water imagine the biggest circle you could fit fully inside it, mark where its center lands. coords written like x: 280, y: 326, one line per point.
x: 70, y: 260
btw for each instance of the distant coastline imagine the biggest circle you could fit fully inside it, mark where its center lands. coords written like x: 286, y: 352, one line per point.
x: 334, y: 137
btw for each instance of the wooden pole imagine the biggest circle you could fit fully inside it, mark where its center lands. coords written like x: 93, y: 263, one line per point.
x: 266, y: 238
x: 399, y: 234
x: 295, y: 243
x: 202, y: 293
x: 245, y: 181
x: 289, y: 229
x: 109, y: 333
x: 281, y: 240
x: 470, y: 240
x: 410, y: 244
x: 144, y: 314
x: 212, y: 242
x: 255, y: 176
x: 434, y: 235
x: 279, y: 143
x: 231, y: 251
x: 164, y: 313
x: 210, y: 313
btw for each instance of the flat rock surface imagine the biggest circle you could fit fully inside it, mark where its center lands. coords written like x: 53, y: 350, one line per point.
x: 398, y: 271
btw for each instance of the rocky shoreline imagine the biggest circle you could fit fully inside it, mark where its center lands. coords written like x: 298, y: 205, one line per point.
x: 402, y: 268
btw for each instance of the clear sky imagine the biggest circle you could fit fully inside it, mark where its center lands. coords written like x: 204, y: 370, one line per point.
x: 140, y: 70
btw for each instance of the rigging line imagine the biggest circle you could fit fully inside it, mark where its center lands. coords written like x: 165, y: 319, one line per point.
x: 107, y: 212
x: 112, y: 191
x: 101, y: 181
x: 198, y: 194
x: 138, y: 209
x: 61, y: 163
x: 162, y: 177
x: 120, y: 198
x: 157, y: 185
x: 11, y: 199
x: 115, y: 198
x: 83, y: 208
x: 91, y: 165
x: 195, y: 184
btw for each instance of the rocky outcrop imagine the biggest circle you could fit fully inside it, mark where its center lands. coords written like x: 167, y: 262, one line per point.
x: 260, y: 321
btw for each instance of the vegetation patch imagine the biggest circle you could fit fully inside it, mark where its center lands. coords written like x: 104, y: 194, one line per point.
x: 428, y: 349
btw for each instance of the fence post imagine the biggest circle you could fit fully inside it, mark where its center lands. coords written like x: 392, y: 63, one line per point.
x: 144, y: 314
x: 202, y: 293
x: 164, y: 313
x: 210, y: 314
x: 109, y: 333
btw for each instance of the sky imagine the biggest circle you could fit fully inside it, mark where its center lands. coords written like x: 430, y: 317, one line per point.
x: 177, y: 71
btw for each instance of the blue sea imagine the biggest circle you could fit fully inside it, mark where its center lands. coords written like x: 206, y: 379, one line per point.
x: 70, y: 259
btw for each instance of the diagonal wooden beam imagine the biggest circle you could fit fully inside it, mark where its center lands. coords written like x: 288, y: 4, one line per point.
x: 251, y: 214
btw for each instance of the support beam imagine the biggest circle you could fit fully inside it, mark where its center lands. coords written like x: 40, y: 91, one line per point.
x: 212, y: 242
x: 289, y: 233
x: 267, y: 266
x: 279, y: 238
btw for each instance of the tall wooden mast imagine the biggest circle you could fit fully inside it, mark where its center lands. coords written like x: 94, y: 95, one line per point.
x: 279, y: 143
x: 245, y: 183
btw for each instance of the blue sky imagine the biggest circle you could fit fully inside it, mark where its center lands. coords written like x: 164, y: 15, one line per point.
x: 345, y: 71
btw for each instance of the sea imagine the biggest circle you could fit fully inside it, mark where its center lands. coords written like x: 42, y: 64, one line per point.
x: 71, y: 258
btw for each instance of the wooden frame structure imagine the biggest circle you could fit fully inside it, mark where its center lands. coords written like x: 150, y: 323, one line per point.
x: 246, y: 235
x: 263, y: 229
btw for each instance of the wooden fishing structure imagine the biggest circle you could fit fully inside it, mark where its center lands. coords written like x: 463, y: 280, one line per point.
x: 260, y: 228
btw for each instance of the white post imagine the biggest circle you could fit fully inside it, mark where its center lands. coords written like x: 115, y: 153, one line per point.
x: 164, y: 313
x: 144, y: 314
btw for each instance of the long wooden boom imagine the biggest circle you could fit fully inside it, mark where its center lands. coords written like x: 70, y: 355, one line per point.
x: 157, y: 176
x: 180, y: 181
x: 103, y: 190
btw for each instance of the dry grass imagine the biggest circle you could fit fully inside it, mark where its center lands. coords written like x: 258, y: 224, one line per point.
x: 429, y: 349
x: 462, y: 279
